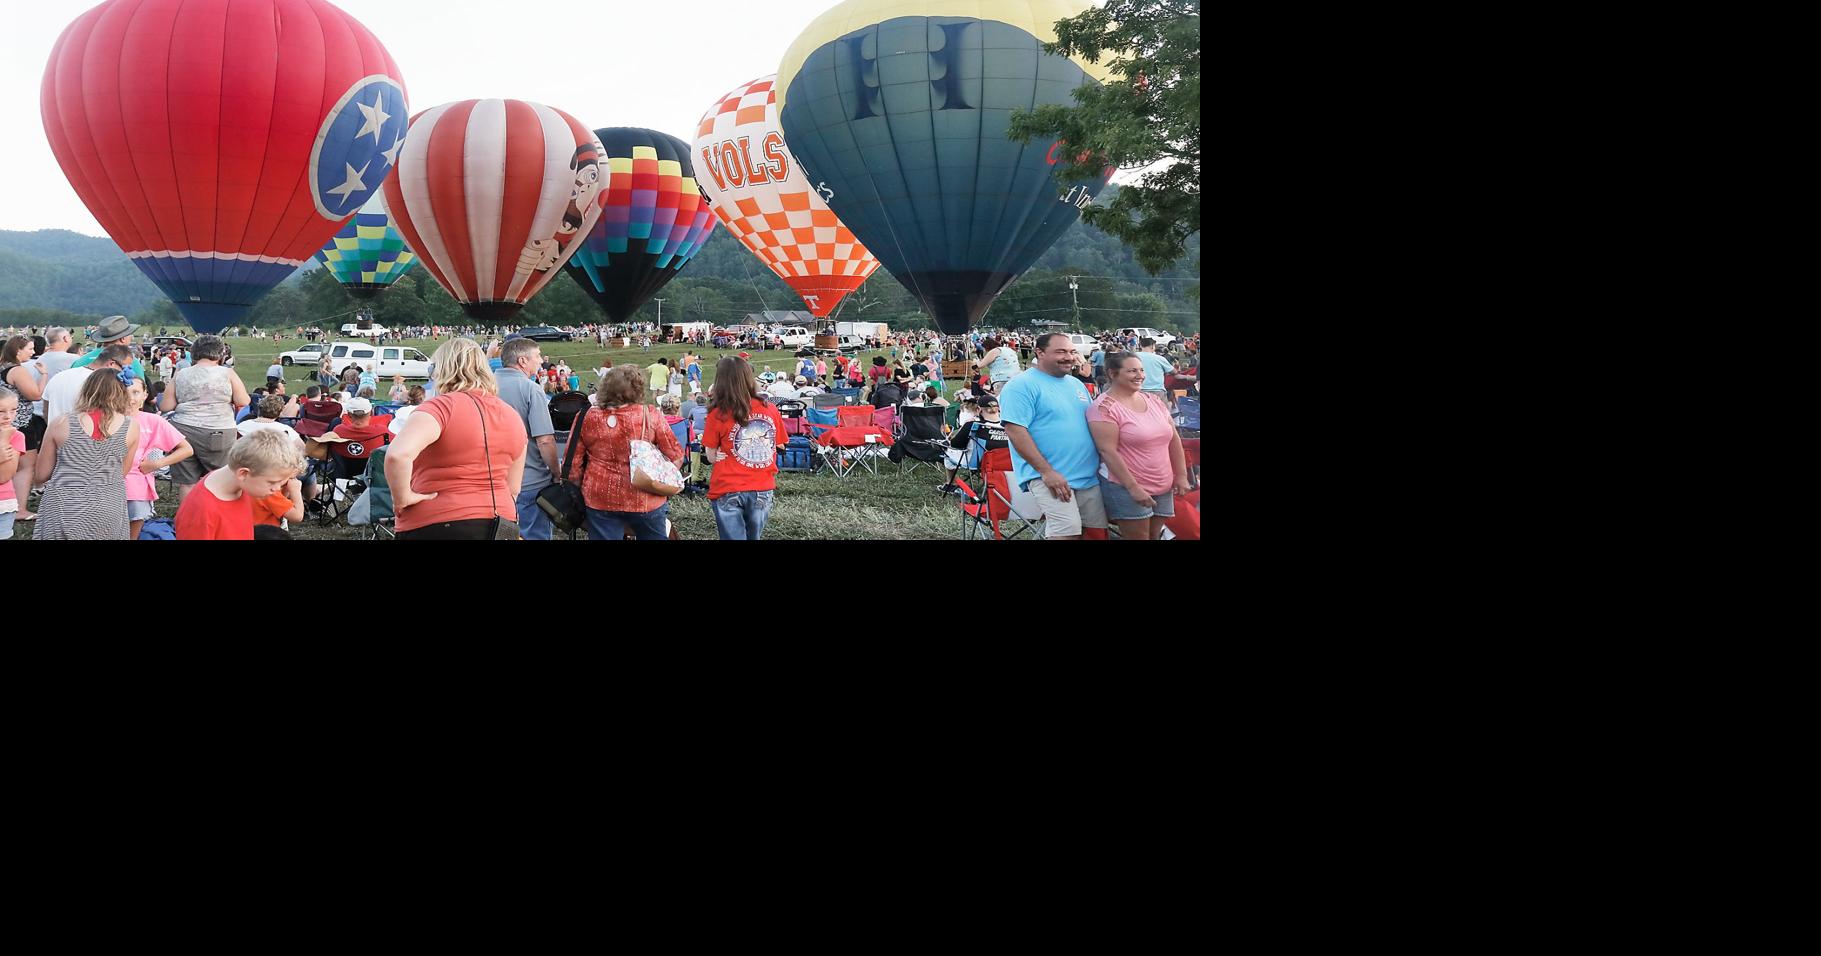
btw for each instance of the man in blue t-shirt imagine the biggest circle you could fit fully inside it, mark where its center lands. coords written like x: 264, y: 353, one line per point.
x: 1045, y: 410
x: 1156, y: 367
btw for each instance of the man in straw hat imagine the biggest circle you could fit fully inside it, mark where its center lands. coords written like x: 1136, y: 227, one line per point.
x: 113, y: 330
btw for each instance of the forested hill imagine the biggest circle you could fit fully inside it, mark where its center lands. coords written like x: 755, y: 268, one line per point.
x: 46, y: 275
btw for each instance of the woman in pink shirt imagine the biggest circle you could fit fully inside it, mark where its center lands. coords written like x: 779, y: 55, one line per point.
x: 154, y: 433
x: 1141, y: 460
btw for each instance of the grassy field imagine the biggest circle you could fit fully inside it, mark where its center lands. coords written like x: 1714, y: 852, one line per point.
x: 888, y: 506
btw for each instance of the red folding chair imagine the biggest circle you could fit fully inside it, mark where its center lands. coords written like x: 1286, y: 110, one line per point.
x: 855, y: 415
x: 997, y: 505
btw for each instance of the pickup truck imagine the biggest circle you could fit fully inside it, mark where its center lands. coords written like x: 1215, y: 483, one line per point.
x: 383, y: 361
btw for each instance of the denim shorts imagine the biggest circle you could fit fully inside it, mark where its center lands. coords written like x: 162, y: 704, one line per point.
x: 1121, y: 507
x: 138, y: 510
x: 6, y: 526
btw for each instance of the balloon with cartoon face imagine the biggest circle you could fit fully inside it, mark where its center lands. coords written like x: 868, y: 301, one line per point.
x: 493, y: 195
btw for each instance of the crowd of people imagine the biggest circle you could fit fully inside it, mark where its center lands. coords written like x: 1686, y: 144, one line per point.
x: 1093, y: 441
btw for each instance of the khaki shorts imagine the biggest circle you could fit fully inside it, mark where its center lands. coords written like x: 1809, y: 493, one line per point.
x: 1065, y: 519
x: 212, y: 446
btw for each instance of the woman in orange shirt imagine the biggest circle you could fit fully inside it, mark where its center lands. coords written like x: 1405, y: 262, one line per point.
x: 457, y: 464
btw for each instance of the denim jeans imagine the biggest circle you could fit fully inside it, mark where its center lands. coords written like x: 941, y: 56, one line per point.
x: 740, y: 516
x: 533, y: 523
x: 612, y: 525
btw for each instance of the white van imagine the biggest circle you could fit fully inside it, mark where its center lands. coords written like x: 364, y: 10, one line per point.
x: 383, y: 361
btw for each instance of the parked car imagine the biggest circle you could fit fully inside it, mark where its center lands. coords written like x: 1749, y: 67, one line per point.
x: 384, y: 361
x: 1162, y: 338
x: 171, y: 342
x: 544, y: 333
x: 308, y: 355
x: 354, y: 328
x: 1085, y: 345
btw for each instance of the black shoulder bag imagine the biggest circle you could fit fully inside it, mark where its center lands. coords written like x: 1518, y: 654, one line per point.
x: 563, y: 502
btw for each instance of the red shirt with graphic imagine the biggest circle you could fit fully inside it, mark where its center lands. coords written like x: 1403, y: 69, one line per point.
x: 750, y: 451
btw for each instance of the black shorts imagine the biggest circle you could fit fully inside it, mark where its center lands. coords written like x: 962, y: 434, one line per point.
x: 34, y: 433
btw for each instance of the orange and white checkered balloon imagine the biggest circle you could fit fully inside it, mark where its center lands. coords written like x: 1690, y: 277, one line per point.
x: 763, y: 198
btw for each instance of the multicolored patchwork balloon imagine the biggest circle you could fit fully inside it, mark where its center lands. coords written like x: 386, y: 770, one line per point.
x: 759, y: 193
x: 493, y: 196
x: 897, y: 111
x: 222, y: 142
x: 656, y: 219
x: 369, y: 253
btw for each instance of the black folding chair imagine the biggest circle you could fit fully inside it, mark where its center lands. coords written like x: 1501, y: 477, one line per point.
x: 920, y: 442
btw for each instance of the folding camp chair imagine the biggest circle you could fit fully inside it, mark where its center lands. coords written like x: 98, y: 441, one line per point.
x: 847, y: 395
x: 381, y: 518
x: 998, y: 505
x: 921, y: 441
x: 830, y: 399
x: 842, y: 459
x: 855, y: 415
x: 887, y: 418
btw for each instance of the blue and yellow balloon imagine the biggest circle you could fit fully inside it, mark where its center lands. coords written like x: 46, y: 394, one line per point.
x: 897, y: 111
x: 369, y: 253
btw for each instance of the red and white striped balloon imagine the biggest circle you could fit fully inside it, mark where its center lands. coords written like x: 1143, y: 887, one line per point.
x: 493, y: 195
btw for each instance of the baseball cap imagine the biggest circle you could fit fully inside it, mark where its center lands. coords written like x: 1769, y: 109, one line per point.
x: 987, y: 401
x: 357, y: 406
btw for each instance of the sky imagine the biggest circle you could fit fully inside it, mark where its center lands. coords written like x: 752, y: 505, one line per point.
x: 607, y: 63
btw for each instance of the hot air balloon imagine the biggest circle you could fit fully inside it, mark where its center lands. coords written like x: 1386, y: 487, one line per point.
x: 656, y: 219
x: 222, y: 142
x: 897, y: 112
x: 369, y: 253
x: 760, y: 194
x: 493, y: 195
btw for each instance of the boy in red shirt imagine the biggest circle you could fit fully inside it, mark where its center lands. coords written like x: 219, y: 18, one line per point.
x: 221, y: 508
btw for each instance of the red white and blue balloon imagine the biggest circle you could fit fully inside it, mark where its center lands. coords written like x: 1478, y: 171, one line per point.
x: 221, y: 143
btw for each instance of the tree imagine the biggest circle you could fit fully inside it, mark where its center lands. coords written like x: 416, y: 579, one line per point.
x: 1148, y: 114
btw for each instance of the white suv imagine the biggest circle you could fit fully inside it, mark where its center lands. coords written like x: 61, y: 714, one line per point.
x: 383, y: 361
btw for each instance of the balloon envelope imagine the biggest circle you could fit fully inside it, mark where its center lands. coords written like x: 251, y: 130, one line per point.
x: 655, y: 220
x: 369, y: 253
x: 493, y: 196
x: 759, y: 193
x: 898, y: 111
x: 221, y: 142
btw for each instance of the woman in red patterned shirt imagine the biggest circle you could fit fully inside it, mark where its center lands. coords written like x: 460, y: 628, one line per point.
x: 603, y: 437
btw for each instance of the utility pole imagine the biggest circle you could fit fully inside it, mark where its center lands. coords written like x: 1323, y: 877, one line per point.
x: 660, y: 313
x: 1076, y: 297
